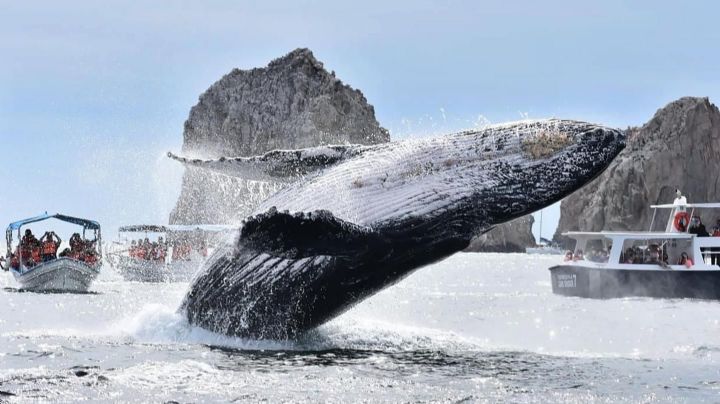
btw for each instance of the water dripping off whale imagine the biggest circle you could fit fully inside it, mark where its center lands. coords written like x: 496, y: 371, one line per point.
x: 352, y: 220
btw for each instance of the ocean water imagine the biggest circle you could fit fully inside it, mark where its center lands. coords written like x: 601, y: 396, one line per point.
x: 473, y: 328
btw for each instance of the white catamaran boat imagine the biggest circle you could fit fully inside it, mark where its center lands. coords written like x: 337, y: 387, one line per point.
x: 670, y: 264
x: 71, y: 272
x: 171, y: 253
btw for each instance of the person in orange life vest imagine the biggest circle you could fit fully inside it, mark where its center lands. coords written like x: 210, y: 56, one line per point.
x: 161, y: 250
x: 89, y: 246
x: 132, y: 252
x: 27, y: 245
x: 685, y: 260
x: 90, y: 258
x: 50, y: 245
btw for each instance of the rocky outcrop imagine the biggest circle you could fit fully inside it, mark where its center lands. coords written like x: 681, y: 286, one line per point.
x: 513, y: 236
x: 678, y: 148
x: 292, y: 103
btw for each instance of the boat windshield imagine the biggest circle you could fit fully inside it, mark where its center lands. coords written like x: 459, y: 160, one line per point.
x: 660, y: 251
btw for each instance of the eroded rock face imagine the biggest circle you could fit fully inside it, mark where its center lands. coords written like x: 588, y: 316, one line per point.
x: 292, y: 103
x: 513, y: 236
x: 678, y: 148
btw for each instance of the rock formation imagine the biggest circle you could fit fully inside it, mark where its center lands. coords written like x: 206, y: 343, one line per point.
x: 678, y: 148
x: 292, y: 103
x: 512, y: 236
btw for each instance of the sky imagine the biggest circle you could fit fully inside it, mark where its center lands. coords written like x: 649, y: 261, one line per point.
x: 92, y: 94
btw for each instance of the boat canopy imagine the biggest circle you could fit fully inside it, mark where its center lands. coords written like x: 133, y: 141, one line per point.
x: 152, y: 228
x: 87, y: 224
x: 688, y: 205
x: 626, y: 234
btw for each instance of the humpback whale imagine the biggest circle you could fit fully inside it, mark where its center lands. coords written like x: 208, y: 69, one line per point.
x: 352, y: 220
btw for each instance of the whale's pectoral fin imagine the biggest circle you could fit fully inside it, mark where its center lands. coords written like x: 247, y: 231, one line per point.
x: 309, y: 234
x: 277, y: 165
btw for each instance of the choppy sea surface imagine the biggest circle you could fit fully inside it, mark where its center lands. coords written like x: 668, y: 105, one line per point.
x: 473, y: 328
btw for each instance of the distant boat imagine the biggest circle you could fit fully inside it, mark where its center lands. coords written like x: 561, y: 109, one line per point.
x: 610, y: 264
x: 545, y: 246
x: 72, y: 273
x: 173, y: 253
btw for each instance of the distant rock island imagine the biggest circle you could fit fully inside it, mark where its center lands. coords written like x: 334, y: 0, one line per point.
x: 678, y: 148
x: 292, y: 103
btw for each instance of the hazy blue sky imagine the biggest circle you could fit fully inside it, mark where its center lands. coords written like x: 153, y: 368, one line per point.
x: 93, y: 93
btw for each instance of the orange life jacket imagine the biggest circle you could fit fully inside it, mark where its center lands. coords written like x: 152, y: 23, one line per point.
x: 49, y: 248
x: 90, y: 259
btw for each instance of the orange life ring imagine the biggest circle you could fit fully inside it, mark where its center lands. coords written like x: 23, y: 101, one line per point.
x: 681, y: 221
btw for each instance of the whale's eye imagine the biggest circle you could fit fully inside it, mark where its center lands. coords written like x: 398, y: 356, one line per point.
x: 545, y: 143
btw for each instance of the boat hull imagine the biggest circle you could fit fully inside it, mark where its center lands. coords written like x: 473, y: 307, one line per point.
x: 59, y: 275
x: 605, y: 283
x: 136, y: 270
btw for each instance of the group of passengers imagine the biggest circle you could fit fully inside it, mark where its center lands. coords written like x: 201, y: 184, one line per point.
x: 698, y: 228
x: 156, y: 251
x: 148, y: 250
x: 595, y: 255
x: 32, y: 251
x: 632, y: 255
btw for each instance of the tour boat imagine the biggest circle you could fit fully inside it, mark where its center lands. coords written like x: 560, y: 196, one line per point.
x: 651, y: 264
x: 72, y: 273
x: 163, y: 253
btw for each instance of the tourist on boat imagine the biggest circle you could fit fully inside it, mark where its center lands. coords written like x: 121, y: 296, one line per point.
x: 685, y: 260
x: 160, y: 250
x: 628, y: 256
x: 28, y: 245
x: 132, y: 251
x: 568, y: 256
x: 697, y: 227
x: 88, y: 250
x: 578, y: 256
x: 90, y: 258
x: 50, y: 245
x: 140, y: 251
x: 77, y: 247
x: 680, y: 200
x: 604, y: 256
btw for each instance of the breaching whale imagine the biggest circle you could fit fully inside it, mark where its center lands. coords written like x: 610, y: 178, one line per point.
x: 352, y: 220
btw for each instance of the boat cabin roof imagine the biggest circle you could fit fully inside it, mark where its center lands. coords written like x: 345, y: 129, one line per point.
x: 625, y: 234
x: 714, y: 205
x: 88, y: 224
